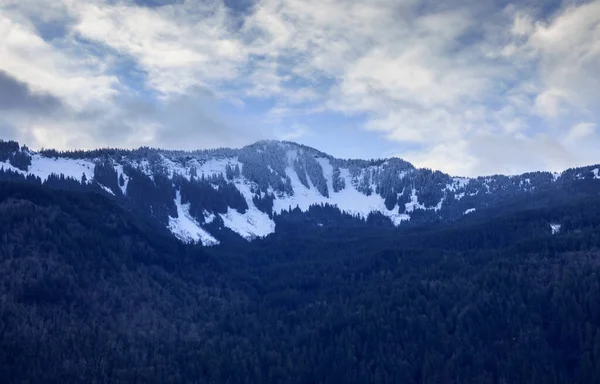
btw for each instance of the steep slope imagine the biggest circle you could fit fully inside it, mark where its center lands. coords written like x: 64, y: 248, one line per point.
x: 200, y: 194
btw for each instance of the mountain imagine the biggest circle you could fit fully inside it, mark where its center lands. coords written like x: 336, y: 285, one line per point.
x: 94, y: 287
x: 208, y: 196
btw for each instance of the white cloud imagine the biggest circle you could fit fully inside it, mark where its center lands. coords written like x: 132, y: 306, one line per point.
x: 451, y: 156
x: 580, y: 131
x: 179, y: 46
x: 523, y: 25
x: 552, y: 102
x: 486, y: 154
x: 443, y: 79
x: 517, y: 154
x: 407, y: 125
x: 567, y: 50
x: 294, y: 132
x: 28, y: 58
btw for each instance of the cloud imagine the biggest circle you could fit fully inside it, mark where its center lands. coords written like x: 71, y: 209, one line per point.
x: 517, y: 154
x: 487, y: 154
x: 179, y: 45
x: 566, y: 50
x: 580, y: 131
x: 28, y: 58
x: 294, y: 132
x: 92, y: 84
x: 453, y: 86
x: 198, y: 121
x: 453, y: 155
x: 17, y: 96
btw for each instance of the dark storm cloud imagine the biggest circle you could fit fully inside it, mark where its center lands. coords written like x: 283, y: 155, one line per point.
x: 16, y: 96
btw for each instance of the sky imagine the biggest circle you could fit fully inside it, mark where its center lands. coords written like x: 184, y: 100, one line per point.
x: 469, y: 87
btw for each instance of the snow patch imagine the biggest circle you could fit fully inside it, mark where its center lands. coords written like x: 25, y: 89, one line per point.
x: 217, y: 166
x: 186, y: 228
x: 555, y: 176
x: 327, y: 172
x: 414, y: 202
x: 175, y: 168
x: 595, y: 172
x: 348, y: 200
x: 121, y: 172
x: 209, y: 217
x: 555, y: 228
x: 106, y: 189
x: 438, y: 206
x: 144, y: 166
x: 45, y: 166
x: 7, y: 166
x: 457, y: 184
x: 470, y: 210
x: 250, y: 225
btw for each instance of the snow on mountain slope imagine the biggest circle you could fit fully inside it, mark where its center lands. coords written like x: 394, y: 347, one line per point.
x: 413, y: 203
x: 107, y: 190
x: 327, y: 172
x: 43, y: 167
x: 6, y: 166
x: 457, y: 184
x: 241, y: 189
x: 186, y: 228
x: 252, y: 223
x: 249, y: 225
x: 208, y: 217
x: 348, y: 200
x: 121, y: 174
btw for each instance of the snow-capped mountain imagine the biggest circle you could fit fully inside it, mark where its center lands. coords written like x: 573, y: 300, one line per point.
x: 198, y: 194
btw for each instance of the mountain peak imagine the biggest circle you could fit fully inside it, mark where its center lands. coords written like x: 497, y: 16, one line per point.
x: 269, y: 144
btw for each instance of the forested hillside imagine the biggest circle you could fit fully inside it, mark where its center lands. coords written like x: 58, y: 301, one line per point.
x: 92, y: 292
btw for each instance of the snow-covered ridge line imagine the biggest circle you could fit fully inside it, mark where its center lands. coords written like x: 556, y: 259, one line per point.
x: 247, y: 186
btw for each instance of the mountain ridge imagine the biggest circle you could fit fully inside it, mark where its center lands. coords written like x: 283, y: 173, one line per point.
x: 76, y: 153
x: 199, y: 194
x: 79, y: 153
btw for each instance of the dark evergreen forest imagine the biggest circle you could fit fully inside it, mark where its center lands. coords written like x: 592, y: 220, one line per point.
x: 91, y: 292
